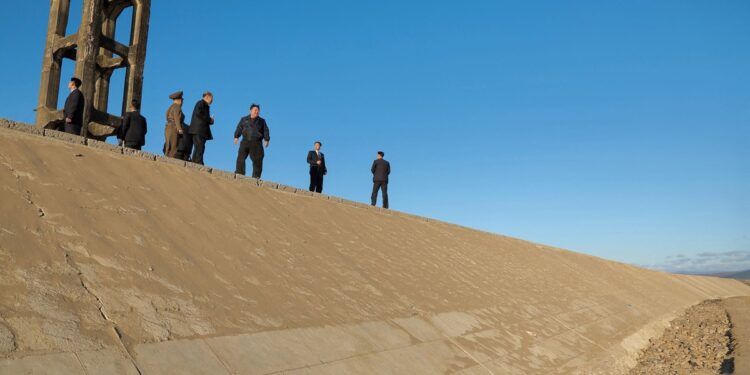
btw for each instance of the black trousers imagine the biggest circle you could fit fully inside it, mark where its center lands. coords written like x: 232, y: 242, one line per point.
x: 184, y: 146
x: 199, y: 147
x: 316, y: 180
x: 375, y: 187
x: 253, y: 148
x: 73, y: 128
x: 133, y: 145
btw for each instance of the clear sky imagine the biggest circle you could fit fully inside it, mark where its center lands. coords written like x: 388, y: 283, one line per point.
x: 615, y: 128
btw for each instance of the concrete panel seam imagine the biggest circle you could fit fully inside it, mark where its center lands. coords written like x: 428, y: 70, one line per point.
x: 479, y: 363
x: 579, y: 334
x: 218, y: 358
x: 80, y: 363
x: 322, y: 363
x: 454, y: 343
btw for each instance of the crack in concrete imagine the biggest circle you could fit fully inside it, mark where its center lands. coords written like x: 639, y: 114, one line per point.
x: 100, y: 307
x: 25, y: 193
x: 28, y: 197
x: 99, y: 303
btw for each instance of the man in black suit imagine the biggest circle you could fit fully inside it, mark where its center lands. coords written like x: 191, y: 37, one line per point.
x: 133, y: 129
x: 380, y: 171
x: 200, y: 126
x: 318, y: 169
x: 255, y: 136
x: 73, y: 110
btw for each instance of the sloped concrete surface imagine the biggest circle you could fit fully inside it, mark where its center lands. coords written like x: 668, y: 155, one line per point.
x: 120, y: 263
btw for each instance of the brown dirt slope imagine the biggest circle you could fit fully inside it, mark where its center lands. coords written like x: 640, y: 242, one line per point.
x: 111, y: 261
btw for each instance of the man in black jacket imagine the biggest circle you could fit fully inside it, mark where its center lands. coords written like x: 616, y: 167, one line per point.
x: 73, y: 110
x: 255, y: 135
x: 133, y: 129
x: 200, y: 126
x: 380, y: 171
x: 318, y: 169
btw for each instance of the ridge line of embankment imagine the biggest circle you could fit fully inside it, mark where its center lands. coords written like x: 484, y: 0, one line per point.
x: 143, y: 155
x: 78, y: 140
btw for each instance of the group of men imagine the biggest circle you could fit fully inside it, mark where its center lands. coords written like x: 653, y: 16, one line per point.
x: 380, y: 169
x: 188, y: 141
x: 132, y: 130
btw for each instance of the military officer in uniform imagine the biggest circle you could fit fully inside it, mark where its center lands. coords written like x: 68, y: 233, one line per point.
x: 175, y: 125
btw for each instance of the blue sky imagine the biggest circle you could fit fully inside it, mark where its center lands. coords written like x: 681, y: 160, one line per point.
x: 615, y: 128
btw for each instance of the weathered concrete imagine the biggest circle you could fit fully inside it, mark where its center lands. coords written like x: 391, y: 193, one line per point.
x: 268, y: 184
x: 8, y: 124
x: 286, y: 188
x: 248, y: 180
x: 304, y: 192
x: 104, y: 146
x: 138, y: 153
x: 738, y: 309
x: 178, y: 357
x: 222, y: 174
x: 97, y: 54
x: 240, y: 280
x: 168, y: 160
x: 198, y: 167
x: 106, y: 362
x: 63, y: 136
x: 50, y: 364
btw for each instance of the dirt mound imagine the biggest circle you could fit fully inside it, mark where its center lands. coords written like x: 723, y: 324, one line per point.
x: 695, y: 343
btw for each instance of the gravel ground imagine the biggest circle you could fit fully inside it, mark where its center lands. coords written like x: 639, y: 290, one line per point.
x: 698, y: 342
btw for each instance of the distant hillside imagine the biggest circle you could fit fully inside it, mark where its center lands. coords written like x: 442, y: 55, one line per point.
x: 743, y: 275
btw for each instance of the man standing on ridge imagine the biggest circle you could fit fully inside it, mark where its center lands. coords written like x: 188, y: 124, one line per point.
x: 255, y: 136
x: 175, y: 127
x: 318, y: 169
x: 73, y: 110
x: 380, y: 171
x: 200, y: 126
x: 133, y: 130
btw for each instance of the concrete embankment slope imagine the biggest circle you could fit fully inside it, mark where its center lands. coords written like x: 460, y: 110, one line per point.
x: 113, y: 263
